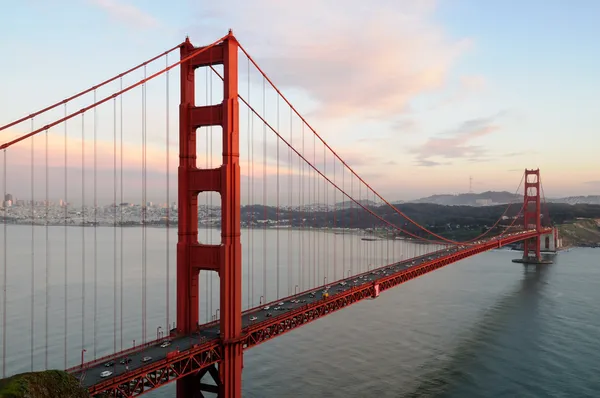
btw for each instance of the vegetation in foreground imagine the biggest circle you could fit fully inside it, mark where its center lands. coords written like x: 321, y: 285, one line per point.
x: 47, y: 384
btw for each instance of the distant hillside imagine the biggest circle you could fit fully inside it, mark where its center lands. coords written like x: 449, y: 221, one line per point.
x: 490, y: 198
x: 472, y: 199
x: 351, y: 205
x: 574, y: 200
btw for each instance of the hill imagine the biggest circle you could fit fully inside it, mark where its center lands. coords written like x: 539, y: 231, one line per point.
x: 491, y: 198
x: 471, y: 199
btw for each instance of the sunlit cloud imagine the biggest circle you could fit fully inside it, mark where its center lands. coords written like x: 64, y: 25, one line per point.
x: 457, y: 143
x: 371, y: 69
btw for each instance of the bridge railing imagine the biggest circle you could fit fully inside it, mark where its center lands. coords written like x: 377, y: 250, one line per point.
x: 120, y: 354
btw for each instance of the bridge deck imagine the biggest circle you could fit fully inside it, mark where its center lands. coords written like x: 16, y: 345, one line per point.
x: 189, y: 354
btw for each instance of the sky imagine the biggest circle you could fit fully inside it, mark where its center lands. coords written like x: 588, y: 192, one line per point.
x: 417, y: 96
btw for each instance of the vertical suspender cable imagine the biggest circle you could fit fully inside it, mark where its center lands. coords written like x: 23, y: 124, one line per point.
x: 145, y: 205
x: 317, y: 197
x: 300, y: 268
x: 290, y: 212
x: 326, y: 197
x: 210, y: 196
x: 277, y: 263
x: 32, y: 247
x: 249, y: 204
x: 335, y: 267
x: 264, y: 194
x: 207, y: 274
x: 301, y: 234
x: 95, y: 229
x: 4, y: 274
x: 343, y: 212
x: 47, y: 258
x: 315, y: 200
x: 66, y: 242
x: 82, y: 231
x: 121, y: 215
x: 115, y: 225
x: 352, y: 225
x: 252, y: 200
x: 168, y: 212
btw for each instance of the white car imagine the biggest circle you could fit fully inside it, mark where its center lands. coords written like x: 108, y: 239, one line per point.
x: 267, y: 308
x: 106, y: 373
x: 165, y: 344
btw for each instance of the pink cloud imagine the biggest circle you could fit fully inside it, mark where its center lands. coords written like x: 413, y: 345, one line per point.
x: 472, y: 83
x: 365, y: 61
x: 456, y: 143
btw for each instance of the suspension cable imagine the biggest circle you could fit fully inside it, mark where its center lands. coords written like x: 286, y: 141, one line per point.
x: 66, y: 100
x: 264, y: 187
x: 339, y: 158
x: 121, y: 215
x: 83, y: 231
x: 32, y: 247
x: 114, y: 225
x: 4, y: 266
x: 278, y: 263
x: 95, y: 230
x: 324, y: 172
x: 66, y: 242
x: 168, y: 212
x: 47, y: 301
x: 114, y: 95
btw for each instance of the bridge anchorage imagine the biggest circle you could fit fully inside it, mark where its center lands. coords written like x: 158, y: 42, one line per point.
x: 342, y: 241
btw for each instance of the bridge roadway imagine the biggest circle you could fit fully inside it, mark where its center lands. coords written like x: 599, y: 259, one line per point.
x: 210, y: 332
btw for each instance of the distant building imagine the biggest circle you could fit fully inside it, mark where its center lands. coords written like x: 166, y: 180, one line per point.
x: 8, y: 198
x: 483, y: 202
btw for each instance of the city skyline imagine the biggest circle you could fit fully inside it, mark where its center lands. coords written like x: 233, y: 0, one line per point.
x: 447, y: 95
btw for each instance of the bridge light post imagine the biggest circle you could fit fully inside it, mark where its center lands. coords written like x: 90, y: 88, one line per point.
x: 83, y: 351
x: 324, y: 280
x: 348, y: 273
x: 295, y: 290
x: 260, y: 300
x: 217, y: 313
x: 158, y: 332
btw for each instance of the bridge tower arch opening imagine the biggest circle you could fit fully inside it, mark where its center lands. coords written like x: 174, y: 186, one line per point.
x: 225, y: 257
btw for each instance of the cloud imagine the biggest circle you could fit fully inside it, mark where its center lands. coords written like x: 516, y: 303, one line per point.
x: 456, y: 143
x: 127, y: 13
x: 428, y: 163
x: 367, y: 61
x: 405, y: 126
x: 472, y: 83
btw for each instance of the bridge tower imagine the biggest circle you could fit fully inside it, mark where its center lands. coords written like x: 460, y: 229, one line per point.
x: 193, y: 256
x: 532, y: 217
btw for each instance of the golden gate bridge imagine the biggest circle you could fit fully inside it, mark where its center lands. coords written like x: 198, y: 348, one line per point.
x: 114, y: 140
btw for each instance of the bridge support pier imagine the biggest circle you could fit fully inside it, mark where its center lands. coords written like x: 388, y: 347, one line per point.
x: 532, y: 219
x: 192, y: 256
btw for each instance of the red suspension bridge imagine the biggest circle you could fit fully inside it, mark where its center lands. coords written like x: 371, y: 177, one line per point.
x: 302, y: 235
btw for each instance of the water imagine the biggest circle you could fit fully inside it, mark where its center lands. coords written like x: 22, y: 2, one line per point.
x: 482, y: 327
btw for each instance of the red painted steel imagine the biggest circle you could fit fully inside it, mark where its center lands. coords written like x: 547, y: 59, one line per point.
x: 261, y: 332
x: 532, y: 212
x: 177, y: 366
x: 193, y: 256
